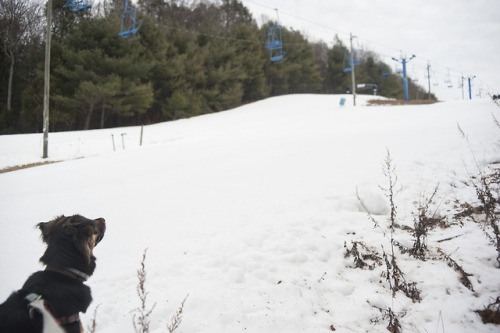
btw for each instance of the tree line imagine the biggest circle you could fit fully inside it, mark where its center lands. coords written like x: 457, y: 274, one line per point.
x: 191, y: 58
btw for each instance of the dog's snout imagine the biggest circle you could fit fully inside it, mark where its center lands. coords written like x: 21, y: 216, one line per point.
x: 101, y: 223
x: 101, y: 228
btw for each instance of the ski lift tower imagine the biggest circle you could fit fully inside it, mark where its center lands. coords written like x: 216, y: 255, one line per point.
x: 469, y: 80
x: 404, y: 61
x: 461, y: 84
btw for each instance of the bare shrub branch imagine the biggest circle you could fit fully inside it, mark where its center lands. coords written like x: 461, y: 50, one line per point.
x: 141, y: 317
x: 176, y: 319
x: 488, y: 192
x: 389, y: 171
x: 463, y: 276
x: 361, y: 257
x: 387, y: 314
x: 422, y: 224
x: 93, y: 323
x: 491, y: 313
x: 397, y: 281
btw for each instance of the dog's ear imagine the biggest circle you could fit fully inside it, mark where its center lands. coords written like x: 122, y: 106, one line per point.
x: 47, y: 228
x: 43, y: 228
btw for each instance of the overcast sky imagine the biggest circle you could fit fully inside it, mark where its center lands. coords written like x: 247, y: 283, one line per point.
x: 460, y: 35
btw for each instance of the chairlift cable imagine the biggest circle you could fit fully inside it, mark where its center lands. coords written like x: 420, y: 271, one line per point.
x: 250, y: 41
x: 367, y: 41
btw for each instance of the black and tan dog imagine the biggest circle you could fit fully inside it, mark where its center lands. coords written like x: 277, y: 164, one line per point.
x: 69, y: 261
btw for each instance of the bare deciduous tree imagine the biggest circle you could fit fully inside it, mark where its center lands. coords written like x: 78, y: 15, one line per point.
x: 19, y: 21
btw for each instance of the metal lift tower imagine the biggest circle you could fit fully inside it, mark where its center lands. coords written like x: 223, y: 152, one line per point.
x: 404, y: 61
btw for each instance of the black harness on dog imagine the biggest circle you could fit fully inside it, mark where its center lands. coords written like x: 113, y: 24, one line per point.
x: 50, y: 323
x: 37, y: 303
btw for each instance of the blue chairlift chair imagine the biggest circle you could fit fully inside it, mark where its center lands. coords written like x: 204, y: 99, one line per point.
x: 351, y: 60
x: 447, y: 80
x: 347, y: 63
x: 274, y: 43
x: 385, y: 70
x: 78, y: 5
x: 356, y: 57
x: 129, y: 27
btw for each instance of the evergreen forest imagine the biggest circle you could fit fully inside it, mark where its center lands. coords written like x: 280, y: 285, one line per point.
x: 190, y: 58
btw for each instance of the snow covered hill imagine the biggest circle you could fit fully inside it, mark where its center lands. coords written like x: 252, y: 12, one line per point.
x: 248, y: 211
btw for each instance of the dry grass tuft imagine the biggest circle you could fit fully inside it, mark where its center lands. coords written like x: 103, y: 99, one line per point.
x: 25, y: 166
x: 400, y: 102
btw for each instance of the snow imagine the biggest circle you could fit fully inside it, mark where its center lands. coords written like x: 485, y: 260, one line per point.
x: 247, y: 211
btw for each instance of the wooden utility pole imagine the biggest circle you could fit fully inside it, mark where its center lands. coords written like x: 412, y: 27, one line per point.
x: 353, y: 77
x: 463, y: 96
x: 46, y: 91
x: 429, y: 78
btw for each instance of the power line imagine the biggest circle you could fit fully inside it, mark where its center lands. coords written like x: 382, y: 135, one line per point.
x: 369, y: 42
x: 251, y: 41
x: 323, y: 26
x: 213, y: 36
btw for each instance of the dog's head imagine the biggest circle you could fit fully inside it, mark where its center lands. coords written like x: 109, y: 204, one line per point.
x: 71, y: 241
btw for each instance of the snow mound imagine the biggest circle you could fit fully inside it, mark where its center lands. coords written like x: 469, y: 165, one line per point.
x: 251, y: 211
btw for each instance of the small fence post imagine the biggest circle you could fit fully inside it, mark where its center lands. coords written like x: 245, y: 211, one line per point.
x: 123, y: 141
x: 142, y: 130
x: 113, y: 139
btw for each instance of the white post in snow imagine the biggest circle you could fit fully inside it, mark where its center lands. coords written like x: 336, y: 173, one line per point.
x: 123, y: 141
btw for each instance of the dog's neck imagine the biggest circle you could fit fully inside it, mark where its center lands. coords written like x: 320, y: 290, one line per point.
x: 61, y: 258
x: 68, y: 271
